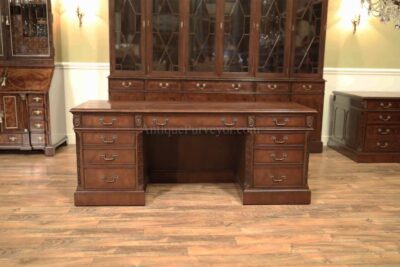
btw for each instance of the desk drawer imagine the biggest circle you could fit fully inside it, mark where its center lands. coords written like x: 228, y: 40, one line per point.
x: 163, y: 85
x: 109, y: 156
x: 107, y: 121
x: 37, y: 125
x: 37, y: 112
x: 278, y: 156
x: 126, y: 84
x: 308, y: 88
x: 218, y: 97
x: 383, y: 104
x: 36, y: 100
x: 110, y: 179
x: 381, y: 131
x: 281, y: 121
x: 383, y: 144
x: 204, y: 86
x: 273, y: 88
x: 384, y: 117
x: 10, y: 139
x: 285, y: 176
x: 109, y: 139
x: 280, y: 139
x: 203, y: 121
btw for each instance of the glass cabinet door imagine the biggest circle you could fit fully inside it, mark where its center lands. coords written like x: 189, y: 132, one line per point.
x: 272, y: 37
x: 165, y: 34
x: 307, y: 36
x: 236, y: 47
x: 29, y: 28
x: 202, y: 36
x: 128, y: 35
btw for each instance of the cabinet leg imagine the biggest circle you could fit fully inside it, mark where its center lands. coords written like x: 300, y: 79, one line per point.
x: 50, y: 151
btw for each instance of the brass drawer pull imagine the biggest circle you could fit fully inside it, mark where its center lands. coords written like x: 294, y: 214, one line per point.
x: 229, y: 124
x: 280, y: 124
x: 237, y: 86
x: 160, y: 124
x: 387, y: 118
x: 275, y: 158
x: 40, y: 138
x: 106, y: 158
x: 201, y: 86
x: 126, y: 85
x: 277, y: 180
x: 111, y: 123
x: 112, y: 141
x: 112, y: 181
x: 164, y: 85
x: 280, y: 141
x: 389, y: 105
x: 384, y: 132
x: 383, y: 146
x: 272, y: 86
x: 12, y: 139
x: 38, y: 112
x: 307, y: 87
x: 38, y: 125
x: 37, y: 99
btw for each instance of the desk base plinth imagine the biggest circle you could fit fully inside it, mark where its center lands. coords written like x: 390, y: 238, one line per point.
x: 277, y: 197
x: 114, y: 198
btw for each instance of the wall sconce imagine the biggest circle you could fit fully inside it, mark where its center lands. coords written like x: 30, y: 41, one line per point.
x: 356, y: 22
x: 80, y: 16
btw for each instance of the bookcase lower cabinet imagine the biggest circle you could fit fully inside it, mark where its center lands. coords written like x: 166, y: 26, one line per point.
x: 270, y: 162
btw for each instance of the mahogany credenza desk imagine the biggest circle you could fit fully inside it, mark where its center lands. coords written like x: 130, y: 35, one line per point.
x: 123, y: 146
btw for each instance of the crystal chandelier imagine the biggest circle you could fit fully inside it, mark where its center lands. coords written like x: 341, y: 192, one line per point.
x: 386, y: 10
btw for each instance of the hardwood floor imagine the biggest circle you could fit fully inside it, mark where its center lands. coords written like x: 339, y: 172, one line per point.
x: 354, y: 219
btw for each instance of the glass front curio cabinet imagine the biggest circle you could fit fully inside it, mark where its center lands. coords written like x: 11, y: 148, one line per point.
x: 26, y: 74
x: 219, y: 50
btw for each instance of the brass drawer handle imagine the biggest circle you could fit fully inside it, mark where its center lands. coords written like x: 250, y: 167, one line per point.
x: 164, y: 85
x: 111, y: 123
x: 229, y: 124
x: 37, y: 99
x: 383, y: 146
x: 112, y: 141
x: 113, y: 179
x: 201, y: 86
x: 40, y: 138
x: 387, y: 118
x: 275, y: 158
x: 12, y: 139
x: 272, y: 86
x: 126, y: 85
x: 160, y: 124
x: 280, y: 124
x: 280, y: 141
x: 38, y: 125
x: 386, y: 106
x: 38, y: 112
x: 237, y: 86
x: 278, y: 180
x: 384, y: 132
x: 307, y: 87
x: 106, y: 158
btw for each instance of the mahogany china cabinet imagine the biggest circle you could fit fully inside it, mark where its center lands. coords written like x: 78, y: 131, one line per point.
x: 219, y: 51
x: 31, y: 115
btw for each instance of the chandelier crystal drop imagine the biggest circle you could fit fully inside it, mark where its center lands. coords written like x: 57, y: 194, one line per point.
x: 386, y: 10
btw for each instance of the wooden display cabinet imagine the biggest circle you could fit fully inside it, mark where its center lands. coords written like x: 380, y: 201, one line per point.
x: 32, y: 117
x: 219, y: 50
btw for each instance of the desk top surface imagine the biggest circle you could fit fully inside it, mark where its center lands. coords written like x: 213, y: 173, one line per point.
x: 370, y: 94
x: 192, y: 107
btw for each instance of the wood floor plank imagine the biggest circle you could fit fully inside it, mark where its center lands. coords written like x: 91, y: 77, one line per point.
x: 354, y: 219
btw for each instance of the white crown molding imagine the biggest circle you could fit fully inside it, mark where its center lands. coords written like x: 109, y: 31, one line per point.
x: 82, y: 66
x: 361, y: 71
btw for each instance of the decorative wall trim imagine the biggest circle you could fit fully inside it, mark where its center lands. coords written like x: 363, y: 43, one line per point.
x: 361, y: 71
x: 82, y: 66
